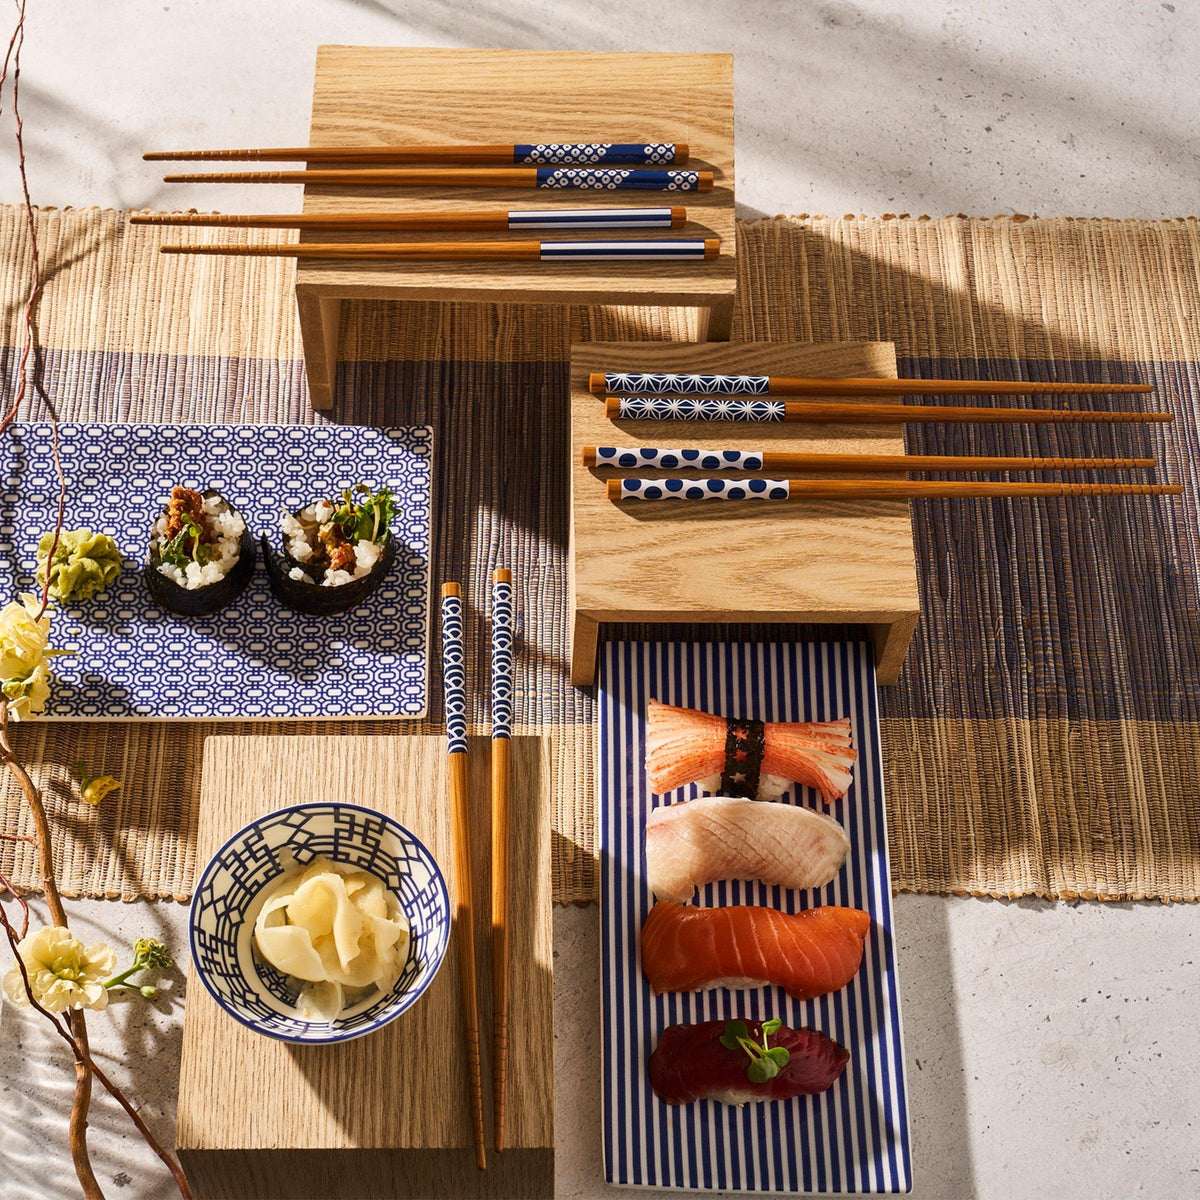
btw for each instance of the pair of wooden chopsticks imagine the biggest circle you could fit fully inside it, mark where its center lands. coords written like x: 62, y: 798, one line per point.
x: 454, y: 685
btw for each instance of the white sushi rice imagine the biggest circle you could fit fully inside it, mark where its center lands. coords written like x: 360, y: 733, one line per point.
x: 227, y: 526
x: 366, y: 553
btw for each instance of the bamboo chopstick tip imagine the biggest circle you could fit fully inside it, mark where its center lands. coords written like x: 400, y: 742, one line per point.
x: 596, y: 383
x: 678, y: 216
x: 682, y: 151
x: 589, y: 456
x: 712, y: 247
x: 704, y: 181
x: 450, y: 589
x: 502, y: 575
x: 612, y: 407
x: 613, y: 488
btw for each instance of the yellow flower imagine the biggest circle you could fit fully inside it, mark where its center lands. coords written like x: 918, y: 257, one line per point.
x: 24, y: 678
x: 63, y: 972
x: 92, y: 791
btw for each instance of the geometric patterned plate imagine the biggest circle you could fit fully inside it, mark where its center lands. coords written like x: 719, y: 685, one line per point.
x: 226, y: 903
x: 854, y: 1136
x: 254, y: 659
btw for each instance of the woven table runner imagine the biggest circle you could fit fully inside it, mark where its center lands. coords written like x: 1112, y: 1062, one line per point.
x: 1045, y: 735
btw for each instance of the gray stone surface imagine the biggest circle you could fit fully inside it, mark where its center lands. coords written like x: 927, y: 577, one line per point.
x: 1051, y: 1048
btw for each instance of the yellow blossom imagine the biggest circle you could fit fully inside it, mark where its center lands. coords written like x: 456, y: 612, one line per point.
x: 24, y: 679
x: 63, y: 972
x: 92, y: 791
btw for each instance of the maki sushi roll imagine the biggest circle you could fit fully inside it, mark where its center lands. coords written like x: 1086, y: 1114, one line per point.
x: 201, y: 553
x: 334, y: 553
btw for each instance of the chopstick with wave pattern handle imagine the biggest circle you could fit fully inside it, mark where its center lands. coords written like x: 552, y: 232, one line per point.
x: 547, y: 154
x: 454, y: 683
x: 594, y: 179
x: 502, y: 713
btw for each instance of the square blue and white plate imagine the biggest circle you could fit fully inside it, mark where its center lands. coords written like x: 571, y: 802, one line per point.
x: 852, y: 1138
x: 256, y: 658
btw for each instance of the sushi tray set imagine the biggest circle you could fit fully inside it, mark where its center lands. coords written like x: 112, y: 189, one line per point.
x: 229, y: 571
x: 750, y: 1001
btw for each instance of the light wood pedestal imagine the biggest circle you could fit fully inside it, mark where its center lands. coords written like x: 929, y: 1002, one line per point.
x: 386, y: 1114
x: 720, y: 562
x: 375, y: 95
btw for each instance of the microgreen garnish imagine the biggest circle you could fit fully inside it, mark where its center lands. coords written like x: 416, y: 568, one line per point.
x: 367, y: 518
x: 766, y: 1061
x: 177, y: 553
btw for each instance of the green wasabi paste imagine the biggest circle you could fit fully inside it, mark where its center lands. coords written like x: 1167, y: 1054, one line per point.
x: 85, y: 563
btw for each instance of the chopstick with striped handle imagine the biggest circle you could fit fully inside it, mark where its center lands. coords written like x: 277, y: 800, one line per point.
x: 502, y: 700
x: 770, y: 460
x: 674, y: 217
x: 605, y: 179
x: 657, y: 383
x: 547, y: 154
x: 746, y: 411
x: 454, y: 682
x: 630, y: 249
x: 864, y: 489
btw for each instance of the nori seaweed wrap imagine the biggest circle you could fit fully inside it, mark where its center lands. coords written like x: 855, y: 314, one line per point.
x: 333, y: 553
x: 204, y: 541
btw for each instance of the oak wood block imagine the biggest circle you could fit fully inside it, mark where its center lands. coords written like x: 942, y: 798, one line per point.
x: 245, y: 1100
x: 717, y: 562
x: 372, y: 95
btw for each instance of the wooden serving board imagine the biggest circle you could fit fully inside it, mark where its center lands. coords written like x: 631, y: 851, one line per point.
x: 721, y: 562
x: 259, y: 1117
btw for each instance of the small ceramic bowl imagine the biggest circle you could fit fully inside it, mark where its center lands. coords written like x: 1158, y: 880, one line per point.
x: 224, y: 907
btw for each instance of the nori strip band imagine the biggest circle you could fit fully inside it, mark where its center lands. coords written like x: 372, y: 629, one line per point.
x: 744, y: 745
x: 202, y: 601
x: 312, y: 598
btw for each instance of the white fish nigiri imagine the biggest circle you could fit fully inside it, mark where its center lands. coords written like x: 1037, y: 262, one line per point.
x: 719, y: 837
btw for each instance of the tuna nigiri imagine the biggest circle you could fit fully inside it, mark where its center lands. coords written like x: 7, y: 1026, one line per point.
x: 691, y: 1062
x: 809, y: 953
x: 718, y: 837
x: 739, y: 757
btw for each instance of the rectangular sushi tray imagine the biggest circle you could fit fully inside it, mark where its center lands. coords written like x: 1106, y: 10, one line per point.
x: 851, y: 1137
x: 255, y: 658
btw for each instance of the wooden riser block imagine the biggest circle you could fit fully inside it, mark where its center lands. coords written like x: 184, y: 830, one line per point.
x: 255, y: 1109
x: 726, y: 562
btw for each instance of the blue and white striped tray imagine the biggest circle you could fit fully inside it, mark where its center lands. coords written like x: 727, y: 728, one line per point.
x: 852, y: 1138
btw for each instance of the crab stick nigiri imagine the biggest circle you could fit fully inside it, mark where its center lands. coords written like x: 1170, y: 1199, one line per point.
x: 736, y: 756
x: 810, y: 953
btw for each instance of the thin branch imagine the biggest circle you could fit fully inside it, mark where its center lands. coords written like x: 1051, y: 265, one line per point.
x: 12, y: 891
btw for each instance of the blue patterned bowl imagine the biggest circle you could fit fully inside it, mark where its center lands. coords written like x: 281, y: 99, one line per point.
x: 222, y: 926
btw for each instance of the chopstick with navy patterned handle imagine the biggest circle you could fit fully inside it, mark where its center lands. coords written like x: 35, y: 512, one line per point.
x: 454, y: 684
x: 674, y: 217
x: 865, y: 489
x: 502, y: 711
x: 662, y: 383
x: 595, y: 179
x: 758, y: 409
x: 626, y: 457
x: 629, y: 250
x: 546, y: 154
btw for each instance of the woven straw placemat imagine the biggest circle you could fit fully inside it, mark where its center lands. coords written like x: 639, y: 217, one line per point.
x: 1045, y: 736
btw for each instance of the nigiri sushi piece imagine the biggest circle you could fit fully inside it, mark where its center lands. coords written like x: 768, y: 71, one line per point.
x: 735, y: 756
x: 721, y: 837
x: 691, y: 1062
x: 810, y: 953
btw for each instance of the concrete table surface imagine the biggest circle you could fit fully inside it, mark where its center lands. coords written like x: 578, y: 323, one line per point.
x: 1051, y: 1048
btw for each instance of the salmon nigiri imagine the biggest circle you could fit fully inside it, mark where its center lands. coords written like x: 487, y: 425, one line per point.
x: 716, y: 837
x: 740, y: 757
x: 808, y: 953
